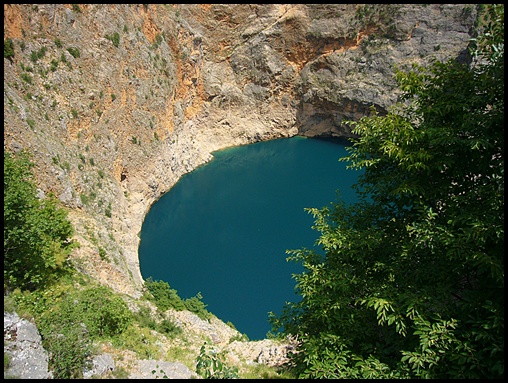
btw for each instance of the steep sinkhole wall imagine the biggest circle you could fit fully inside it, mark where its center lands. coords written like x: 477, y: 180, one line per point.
x: 116, y: 102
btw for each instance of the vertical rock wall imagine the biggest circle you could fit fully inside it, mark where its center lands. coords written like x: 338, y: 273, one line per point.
x: 117, y: 102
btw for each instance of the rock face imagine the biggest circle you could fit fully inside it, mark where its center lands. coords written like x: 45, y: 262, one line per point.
x: 117, y: 102
x: 170, y: 370
x: 264, y: 351
x: 23, y: 345
x: 101, y: 365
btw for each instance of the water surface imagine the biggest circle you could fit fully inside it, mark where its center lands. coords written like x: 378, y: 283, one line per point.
x: 223, y: 229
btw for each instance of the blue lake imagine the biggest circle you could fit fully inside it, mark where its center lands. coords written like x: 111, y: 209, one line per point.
x: 223, y: 229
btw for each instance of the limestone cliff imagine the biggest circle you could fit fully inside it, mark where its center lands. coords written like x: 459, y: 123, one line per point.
x: 117, y: 102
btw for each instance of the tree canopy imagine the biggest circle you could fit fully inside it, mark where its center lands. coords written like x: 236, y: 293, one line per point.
x: 411, y: 282
x: 36, y: 231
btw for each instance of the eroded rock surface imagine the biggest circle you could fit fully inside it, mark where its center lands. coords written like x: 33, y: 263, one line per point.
x: 23, y: 345
x: 153, y: 369
x: 118, y: 101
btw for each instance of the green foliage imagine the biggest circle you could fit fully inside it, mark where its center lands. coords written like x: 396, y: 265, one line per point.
x: 107, y: 212
x: 69, y: 320
x: 7, y: 361
x: 144, y: 318
x: 168, y: 328
x: 120, y: 373
x: 31, y: 123
x: 69, y: 348
x: 212, y: 365
x: 74, y: 52
x: 164, y: 296
x: 103, y: 313
x: 239, y: 338
x: 411, y: 280
x: 66, y: 341
x: 33, y: 56
x: 8, y: 49
x: 54, y: 65
x: 58, y: 43
x: 263, y: 371
x: 196, y: 305
x: 36, y: 55
x: 84, y: 197
x: 26, y: 78
x: 103, y: 254
x: 115, y: 39
x: 139, y: 340
x: 36, y: 232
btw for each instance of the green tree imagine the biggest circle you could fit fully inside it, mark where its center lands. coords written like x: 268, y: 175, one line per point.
x: 411, y: 282
x: 36, y: 231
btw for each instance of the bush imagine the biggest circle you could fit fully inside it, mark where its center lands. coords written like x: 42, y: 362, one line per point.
x: 164, y: 296
x: 36, y: 232
x: 196, y: 305
x: 74, y: 52
x: 211, y: 365
x: 63, y: 333
x: 115, y: 39
x: 26, y: 78
x: 8, y: 49
x: 144, y: 318
x: 69, y: 320
x: 69, y: 348
x: 103, y: 313
x: 36, y: 55
x: 168, y: 328
x: 107, y: 212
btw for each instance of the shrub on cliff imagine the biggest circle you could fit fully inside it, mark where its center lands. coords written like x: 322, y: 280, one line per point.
x: 8, y: 49
x: 36, y: 231
x: 163, y: 295
x: 165, y: 298
x: 70, y: 320
x: 411, y: 283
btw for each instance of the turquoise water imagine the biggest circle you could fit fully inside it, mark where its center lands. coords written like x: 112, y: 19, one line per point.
x: 223, y: 229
